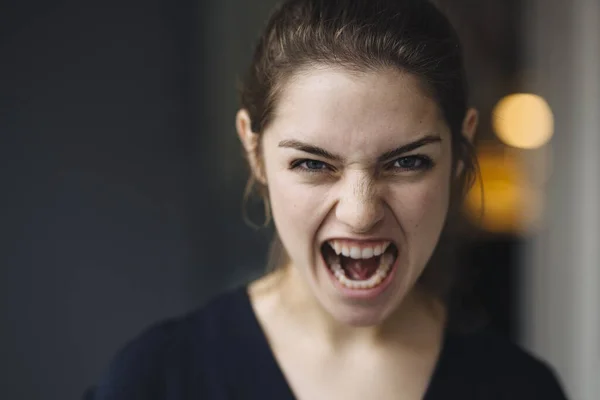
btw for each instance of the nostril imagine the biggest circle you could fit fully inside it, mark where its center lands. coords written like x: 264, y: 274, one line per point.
x: 360, y: 216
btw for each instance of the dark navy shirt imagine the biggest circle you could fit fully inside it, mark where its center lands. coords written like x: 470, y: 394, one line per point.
x: 220, y: 352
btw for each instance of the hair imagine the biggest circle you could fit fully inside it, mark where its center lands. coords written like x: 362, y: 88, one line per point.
x: 367, y: 35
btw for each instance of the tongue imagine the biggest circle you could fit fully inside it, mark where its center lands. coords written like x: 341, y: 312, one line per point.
x: 360, y: 270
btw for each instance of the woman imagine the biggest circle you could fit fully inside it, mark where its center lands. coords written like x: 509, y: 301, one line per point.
x: 355, y: 123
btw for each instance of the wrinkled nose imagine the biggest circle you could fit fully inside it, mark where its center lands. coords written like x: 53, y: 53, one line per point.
x: 359, y: 205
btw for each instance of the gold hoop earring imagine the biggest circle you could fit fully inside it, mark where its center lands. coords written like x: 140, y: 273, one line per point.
x: 267, y: 210
x: 250, y: 187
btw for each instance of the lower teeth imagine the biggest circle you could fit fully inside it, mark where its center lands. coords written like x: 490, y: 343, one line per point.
x: 379, y: 275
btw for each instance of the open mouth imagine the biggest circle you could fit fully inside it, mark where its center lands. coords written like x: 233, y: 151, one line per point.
x: 363, y: 266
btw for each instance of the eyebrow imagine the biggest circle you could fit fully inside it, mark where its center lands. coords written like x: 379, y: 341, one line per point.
x: 318, y: 151
x: 309, y: 148
x: 397, y: 152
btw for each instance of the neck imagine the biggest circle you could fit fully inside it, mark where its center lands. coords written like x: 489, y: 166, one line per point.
x: 414, y: 321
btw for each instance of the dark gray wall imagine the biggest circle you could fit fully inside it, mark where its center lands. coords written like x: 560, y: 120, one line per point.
x: 120, y: 176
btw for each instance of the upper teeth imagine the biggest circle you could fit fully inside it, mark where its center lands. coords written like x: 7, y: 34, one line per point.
x: 358, y: 252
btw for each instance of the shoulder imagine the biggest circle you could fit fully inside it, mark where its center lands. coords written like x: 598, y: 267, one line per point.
x: 134, y: 370
x: 167, y: 357
x: 500, y: 366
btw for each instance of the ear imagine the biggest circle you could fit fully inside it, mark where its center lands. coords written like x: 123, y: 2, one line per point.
x: 469, y: 127
x: 251, y: 142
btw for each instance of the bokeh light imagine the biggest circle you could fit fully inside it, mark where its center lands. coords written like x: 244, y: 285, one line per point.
x: 523, y: 120
x: 510, y: 203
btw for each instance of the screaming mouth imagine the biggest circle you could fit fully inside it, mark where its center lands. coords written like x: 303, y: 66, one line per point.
x: 362, y: 266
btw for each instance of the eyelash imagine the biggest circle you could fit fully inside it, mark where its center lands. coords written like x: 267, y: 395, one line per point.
x: 426, y: 164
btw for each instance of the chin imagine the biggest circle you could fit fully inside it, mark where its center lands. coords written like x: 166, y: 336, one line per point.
x: 360, y: 312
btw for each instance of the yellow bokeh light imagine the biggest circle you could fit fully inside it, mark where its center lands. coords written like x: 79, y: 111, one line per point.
x: 523, y: 120
x: 510, y: 203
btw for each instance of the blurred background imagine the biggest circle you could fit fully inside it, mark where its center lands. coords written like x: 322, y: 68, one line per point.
x: 122, y: 177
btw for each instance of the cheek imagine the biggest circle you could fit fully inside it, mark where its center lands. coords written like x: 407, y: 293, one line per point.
x: 422, y: 207
x: 293, y: 205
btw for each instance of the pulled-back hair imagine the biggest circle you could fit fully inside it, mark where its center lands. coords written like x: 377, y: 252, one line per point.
x: 367, y: 35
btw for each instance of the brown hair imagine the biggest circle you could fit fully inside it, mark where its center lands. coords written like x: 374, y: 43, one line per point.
x: 363, y: 35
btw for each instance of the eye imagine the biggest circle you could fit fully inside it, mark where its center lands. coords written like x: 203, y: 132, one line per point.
x: 310, y: 165
x: 413, y: 163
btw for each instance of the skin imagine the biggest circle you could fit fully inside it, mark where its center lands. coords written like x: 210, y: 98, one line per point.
x: 353, y: 193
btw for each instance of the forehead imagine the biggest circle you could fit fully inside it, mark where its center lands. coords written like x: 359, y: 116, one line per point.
x: 356, y: 110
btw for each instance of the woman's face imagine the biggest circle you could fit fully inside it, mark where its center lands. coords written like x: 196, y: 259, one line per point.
x: 358, y: 167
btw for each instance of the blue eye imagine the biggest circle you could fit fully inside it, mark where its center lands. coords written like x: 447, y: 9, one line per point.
x: 310, y: 165
x: 413, y: 163
x: 313, y: 164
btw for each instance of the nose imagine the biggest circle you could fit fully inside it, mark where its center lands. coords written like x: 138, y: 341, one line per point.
x: 359, y: 205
